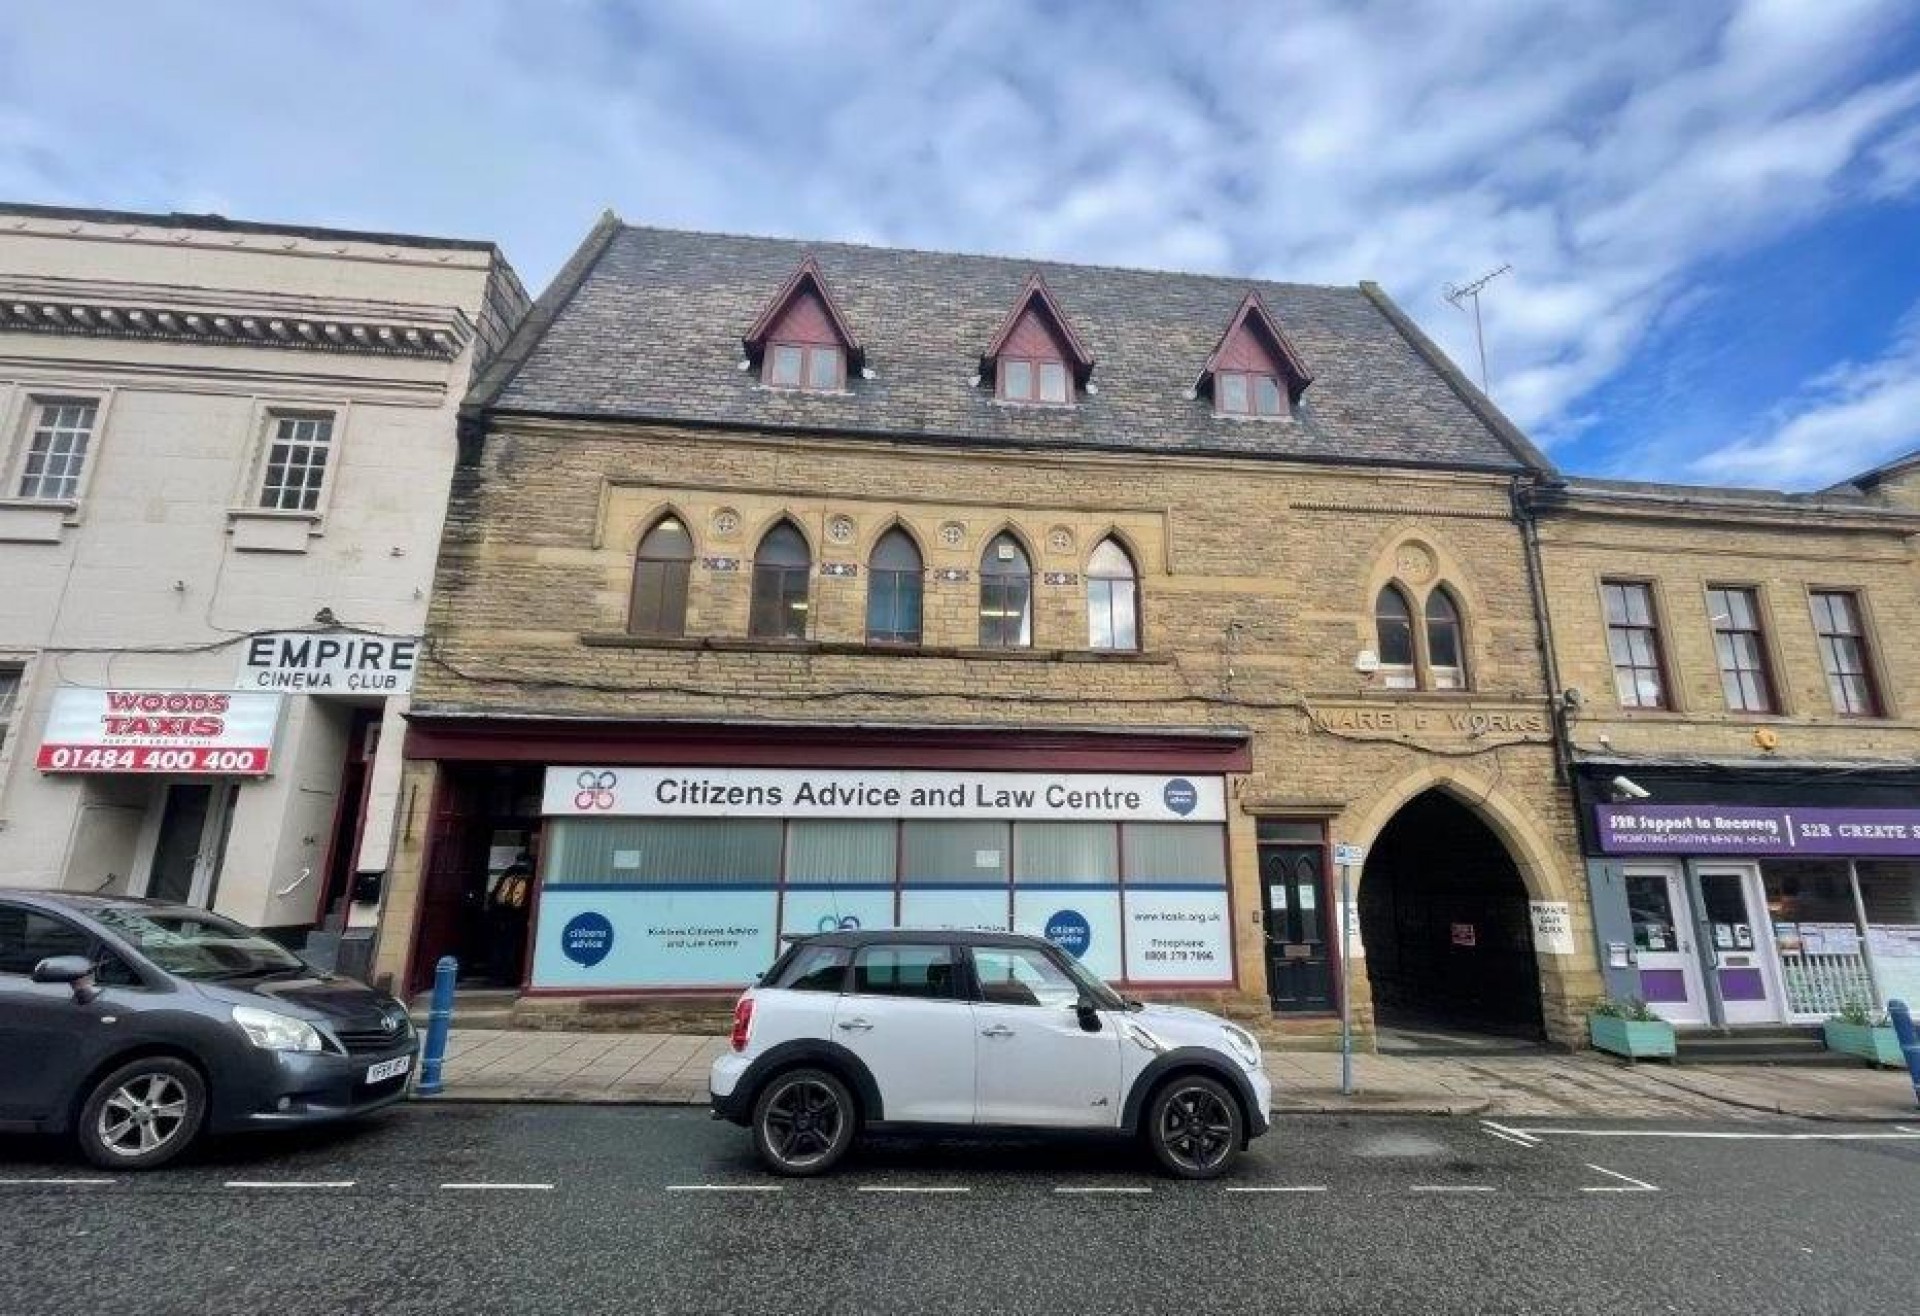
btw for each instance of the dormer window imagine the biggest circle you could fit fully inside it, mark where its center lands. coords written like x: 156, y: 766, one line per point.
x: 1036, y: 358
x: 812, y: 366
x: 801, y: 341
x: 1254, y: 371
x: 1238, y: 393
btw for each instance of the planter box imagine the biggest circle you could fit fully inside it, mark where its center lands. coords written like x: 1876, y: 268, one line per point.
x: 1635, y: 1039
x: 1876, y: 1046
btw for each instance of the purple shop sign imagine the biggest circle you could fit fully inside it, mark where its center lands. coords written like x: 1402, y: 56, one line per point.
x: 1740, y: 829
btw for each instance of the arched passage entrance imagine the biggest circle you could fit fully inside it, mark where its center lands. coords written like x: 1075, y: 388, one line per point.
x: 1444, y: 918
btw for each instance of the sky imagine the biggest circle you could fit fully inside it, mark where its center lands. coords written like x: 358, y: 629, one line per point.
x: 1710, y: 209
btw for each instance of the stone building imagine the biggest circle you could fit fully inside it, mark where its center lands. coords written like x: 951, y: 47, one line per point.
x: 224, y: 455
x: 796, y: 585
x: 1745, y: 739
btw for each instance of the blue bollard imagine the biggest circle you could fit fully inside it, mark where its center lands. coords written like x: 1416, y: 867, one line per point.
x: 1909, y: 1043
x: 439, y: 1021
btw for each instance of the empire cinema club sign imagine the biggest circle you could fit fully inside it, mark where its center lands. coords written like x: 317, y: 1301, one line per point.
x: 188, y: 732
x: 880, y: 793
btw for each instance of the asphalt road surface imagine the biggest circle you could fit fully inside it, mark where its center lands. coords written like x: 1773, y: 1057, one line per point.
x: 575, y: 1209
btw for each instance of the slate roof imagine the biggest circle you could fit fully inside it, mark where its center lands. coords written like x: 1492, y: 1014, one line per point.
x: 646, y: 324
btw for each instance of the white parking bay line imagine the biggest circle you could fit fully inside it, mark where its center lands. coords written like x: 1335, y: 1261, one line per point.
x: 1451, y: 1188
x: 907, y: 1188
x: 1277, y: 1188
x: 1091, y: 1190
x: 289, y: 1183
x: 57, y: 1183
x: 1724, y: 1136
x: 1627, y: 1184
x: 1506, y: 1134
x: 501, y: 1187
x: 725, y: 1187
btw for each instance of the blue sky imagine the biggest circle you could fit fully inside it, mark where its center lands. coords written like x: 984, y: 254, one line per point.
x: 1712, y: 209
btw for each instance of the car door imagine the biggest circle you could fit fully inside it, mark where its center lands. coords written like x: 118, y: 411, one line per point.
x: 44, y: 1033
x: 906, y: 1017
x: 1037, y: 1065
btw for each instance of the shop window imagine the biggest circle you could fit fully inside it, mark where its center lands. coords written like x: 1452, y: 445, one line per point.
x: 1393, y: 631
x: 1188, y: 853
x: 663, y: 851
x: 959, y: 851
x: 841, y: 851
x: 895, y: 583
x: 1633, y: 644
x: 1843, y: 653
x: 1446, y: 646
x: 781, y: 569
x: 660, y: 572
x: 1741, y: 649
x: 1006, y: 595
x: 1113, y: 598
x: 58, y: 437
x: 1067, y: 854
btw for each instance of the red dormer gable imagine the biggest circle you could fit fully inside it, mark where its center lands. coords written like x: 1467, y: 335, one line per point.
x: 1254, y: 343
x: 1038, y: 330
x: 803, y: 311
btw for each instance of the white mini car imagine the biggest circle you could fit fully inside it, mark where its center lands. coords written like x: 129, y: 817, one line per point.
x: 899, y: 1030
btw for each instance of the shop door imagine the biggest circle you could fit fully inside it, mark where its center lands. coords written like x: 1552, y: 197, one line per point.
x: 1740, y: 943
x: 1663, y: 943
x: 1299, y: 974
x: 190, y: 843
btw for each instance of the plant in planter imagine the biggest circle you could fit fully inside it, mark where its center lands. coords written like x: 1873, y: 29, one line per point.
x: 1857, y: 1031
x: 1628, y: 1028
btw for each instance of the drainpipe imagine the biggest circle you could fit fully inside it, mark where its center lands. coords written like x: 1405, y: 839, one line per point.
x: 1866, y: 943
x: 1543, y: 627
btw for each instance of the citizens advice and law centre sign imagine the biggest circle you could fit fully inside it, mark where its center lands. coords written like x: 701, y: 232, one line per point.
x: 599, y: 930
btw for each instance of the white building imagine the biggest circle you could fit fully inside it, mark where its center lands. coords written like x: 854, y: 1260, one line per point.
x: 225, y: 451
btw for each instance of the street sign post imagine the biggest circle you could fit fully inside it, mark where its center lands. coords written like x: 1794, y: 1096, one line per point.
x: 1346, y: 856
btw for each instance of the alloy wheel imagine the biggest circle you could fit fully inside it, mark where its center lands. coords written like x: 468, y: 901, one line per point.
x: 143, y: 1114
x: 803, y: 1123
x: 1197, y: 1128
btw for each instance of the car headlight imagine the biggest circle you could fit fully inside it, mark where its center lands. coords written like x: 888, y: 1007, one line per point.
x: 276, y: 1032
x: 1242, y: 1044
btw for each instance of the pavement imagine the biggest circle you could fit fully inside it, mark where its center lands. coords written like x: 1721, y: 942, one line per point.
x: 576, y: 1210
x: 541, y: 1066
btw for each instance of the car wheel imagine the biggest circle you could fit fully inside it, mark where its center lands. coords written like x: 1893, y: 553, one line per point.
x: 143, y: 1114
x: 1193, y: 1126
x: 803, y: 1122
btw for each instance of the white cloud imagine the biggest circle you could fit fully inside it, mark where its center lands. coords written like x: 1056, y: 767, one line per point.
x: 1610, y: 152
x: 1847, y: 420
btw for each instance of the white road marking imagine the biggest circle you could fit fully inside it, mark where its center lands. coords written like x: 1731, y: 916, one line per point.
x: 1904, y: 1129
x: 502, y: 1187
x: 1277, y: 1188
x: 1725, y: 1136
x: 57, y: 1183
x: 725, y: 1187
x: 908, y: 1188
x: 1627, y: 1184
x: 1508, y: 1137
x: 289, y: 1183
x: 1451, y: 1188
x: 1520, y: 1136
x: 1103, y: 1189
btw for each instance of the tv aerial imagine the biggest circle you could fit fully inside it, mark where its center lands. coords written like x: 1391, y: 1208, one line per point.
x: 1464, y: 292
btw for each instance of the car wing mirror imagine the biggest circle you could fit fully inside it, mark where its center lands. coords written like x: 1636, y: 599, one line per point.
x: 1089, y: 1015
x: 74, y: 970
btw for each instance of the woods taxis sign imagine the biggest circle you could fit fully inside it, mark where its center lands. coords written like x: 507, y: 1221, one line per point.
x: 191, y: 732
x: 881, y: 793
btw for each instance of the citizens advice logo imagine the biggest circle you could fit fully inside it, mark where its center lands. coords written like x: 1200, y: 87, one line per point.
x: 1069, y: 930
x: 1181, y: 796
x: 587, y: 938
x: 596, y: 791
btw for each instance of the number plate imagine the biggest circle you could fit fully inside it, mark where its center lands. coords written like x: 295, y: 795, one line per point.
x: 387, y: 1069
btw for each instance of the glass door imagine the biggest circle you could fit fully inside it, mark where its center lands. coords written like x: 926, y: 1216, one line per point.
x: 1740, y: 947
x: 1663, y: 946
x: 191, y: 842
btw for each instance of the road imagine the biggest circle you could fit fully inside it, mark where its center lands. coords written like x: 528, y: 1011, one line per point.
x: 574, y: 1209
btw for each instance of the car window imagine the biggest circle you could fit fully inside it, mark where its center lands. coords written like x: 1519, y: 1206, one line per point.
x: 815, y: 969
x: 926, y: 972
x: 201, y: 946
x: 27, y: 936
x: 1018, y: 975
x: 109, y: 970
